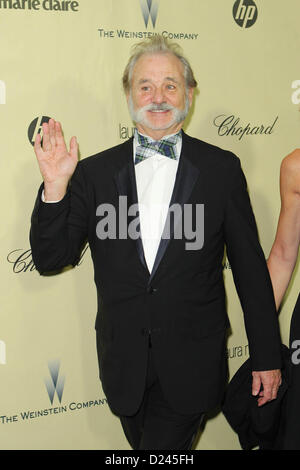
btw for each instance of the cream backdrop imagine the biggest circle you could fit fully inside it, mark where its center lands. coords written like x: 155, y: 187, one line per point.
x: 68, y: 65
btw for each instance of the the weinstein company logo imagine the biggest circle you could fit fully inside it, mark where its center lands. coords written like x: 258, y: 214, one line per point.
x: 245, y: 13
x: 35, y: 127
x: 149, y: 9
x: 2, y: 92
x: 55, y: 382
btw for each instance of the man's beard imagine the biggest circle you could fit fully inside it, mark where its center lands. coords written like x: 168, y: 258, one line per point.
x: 140, y: 115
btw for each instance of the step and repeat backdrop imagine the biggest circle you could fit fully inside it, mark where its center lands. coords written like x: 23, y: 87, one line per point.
x: 65, y: 59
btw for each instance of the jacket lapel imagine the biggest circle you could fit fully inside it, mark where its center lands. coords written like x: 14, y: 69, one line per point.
x: 186, y: 176
x: 126, y: 185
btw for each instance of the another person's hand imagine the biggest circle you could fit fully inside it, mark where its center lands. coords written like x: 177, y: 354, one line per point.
x: 269, y: 381
x: 56, y: 164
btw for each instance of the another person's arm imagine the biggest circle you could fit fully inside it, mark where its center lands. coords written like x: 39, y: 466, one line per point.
x: 284, y: 252
x: 254, y: 288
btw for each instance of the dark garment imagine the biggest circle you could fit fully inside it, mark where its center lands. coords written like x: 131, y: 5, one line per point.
x: 182, y: 301
x: 256, y: 426
x: 276, y: 425
x: 291, y: 422
x: 156, y: 426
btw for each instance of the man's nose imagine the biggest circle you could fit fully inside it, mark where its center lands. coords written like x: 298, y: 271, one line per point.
x: 158, y: 96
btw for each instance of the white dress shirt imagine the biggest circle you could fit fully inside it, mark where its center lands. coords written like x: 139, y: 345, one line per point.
x: 155, y: 178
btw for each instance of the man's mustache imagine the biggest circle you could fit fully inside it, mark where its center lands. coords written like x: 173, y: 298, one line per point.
x: 157, y: 107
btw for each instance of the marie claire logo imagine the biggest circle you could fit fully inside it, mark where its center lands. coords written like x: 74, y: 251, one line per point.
x: 230, y: 125
x: 296, y: 93
x: 245, y: 13
x: 149, y: 10
x: 2, y: 353
x: 48, y: 5
x: 56, y: 382
x: 2, y: 92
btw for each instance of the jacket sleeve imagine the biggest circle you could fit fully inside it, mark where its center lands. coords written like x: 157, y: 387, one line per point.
x: 251, y: 276
x: 59, y: 230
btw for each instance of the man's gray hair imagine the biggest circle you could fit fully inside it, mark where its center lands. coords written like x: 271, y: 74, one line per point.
x: 157, y: 45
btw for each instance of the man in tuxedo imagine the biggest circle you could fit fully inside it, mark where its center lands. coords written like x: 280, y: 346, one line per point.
x: 161, y: 322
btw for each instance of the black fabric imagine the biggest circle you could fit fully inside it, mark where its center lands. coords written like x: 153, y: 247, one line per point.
x: 256, y: 426
x: 290, y: 438
x: 182, y: 301
x: 156, y: 426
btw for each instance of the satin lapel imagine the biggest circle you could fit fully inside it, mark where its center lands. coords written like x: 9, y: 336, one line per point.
x: 186, y: 177
x: 126, y: 185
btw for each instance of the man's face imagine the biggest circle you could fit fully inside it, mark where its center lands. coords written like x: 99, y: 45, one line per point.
x: 158, y: 100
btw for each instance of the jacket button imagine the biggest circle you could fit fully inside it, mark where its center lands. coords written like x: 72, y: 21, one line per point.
x: 151, y: 290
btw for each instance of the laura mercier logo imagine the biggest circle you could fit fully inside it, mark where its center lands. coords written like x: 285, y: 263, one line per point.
x: 245, y: 13
x: 55, y: 382
x: 2, y: 92
x: 149, y: 9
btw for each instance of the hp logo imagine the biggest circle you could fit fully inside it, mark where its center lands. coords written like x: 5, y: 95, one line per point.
x: 245, y: 13
x: 35, y: 128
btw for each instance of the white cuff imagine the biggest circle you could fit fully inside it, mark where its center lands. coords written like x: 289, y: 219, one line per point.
x: 50, y: 202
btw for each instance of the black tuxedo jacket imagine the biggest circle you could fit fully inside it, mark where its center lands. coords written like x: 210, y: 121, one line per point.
x: 182, y: 301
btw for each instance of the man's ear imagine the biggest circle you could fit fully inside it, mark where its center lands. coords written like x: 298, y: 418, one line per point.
x: 190, y: 95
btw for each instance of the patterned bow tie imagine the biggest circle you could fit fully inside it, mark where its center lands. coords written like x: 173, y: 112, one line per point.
x: 147, y: 148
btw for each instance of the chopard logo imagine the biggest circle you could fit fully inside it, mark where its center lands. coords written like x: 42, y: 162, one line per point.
x: 230, y: 125
x: 149, y: 9
x: 22, y: 261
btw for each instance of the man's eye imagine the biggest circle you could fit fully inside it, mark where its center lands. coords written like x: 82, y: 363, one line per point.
x: 145, y: 88
x: 171, y: 87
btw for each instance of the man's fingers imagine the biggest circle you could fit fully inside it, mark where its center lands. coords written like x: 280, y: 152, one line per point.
x: 74, y: 147
x: 59, y: 135
x: 46, y: 138
x: 52, y: 132
x: 256, y: 384
x: 275, y: 388
x: 37, y: 143
x: 270, y: 382
x: 267, y: 392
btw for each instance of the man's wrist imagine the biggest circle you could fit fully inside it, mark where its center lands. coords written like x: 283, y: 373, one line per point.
x: 54, y: 193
